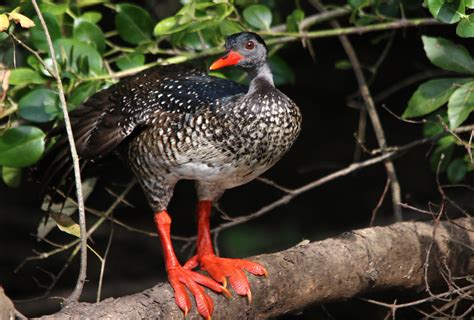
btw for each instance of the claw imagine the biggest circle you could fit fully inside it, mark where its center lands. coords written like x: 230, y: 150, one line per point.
x: 265, y: 273
x: 181, y: 278
x: 186, y: 311
x: 224, y: 282
x: 226, y: 292
x: 249, y: 296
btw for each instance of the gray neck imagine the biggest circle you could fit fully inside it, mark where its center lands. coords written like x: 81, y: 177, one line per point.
x: 262, y: 74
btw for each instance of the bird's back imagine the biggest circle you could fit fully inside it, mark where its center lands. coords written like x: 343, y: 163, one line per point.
x: 109, y: 119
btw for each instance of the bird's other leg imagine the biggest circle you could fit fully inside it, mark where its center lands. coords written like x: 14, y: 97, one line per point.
x: 180, y: 277
x: 220, y: 269
x: 159, y: 192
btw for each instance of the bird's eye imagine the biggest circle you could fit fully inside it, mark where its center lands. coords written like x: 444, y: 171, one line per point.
x: 249, y: 45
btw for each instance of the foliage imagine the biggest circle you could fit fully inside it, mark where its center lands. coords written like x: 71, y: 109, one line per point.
x: 456, y: 92
x: 454, y: 11
x: 92, y: 54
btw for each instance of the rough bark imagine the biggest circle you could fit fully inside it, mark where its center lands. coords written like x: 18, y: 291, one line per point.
x: 356, y: 262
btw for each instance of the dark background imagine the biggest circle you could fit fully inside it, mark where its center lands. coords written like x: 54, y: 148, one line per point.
x: 326, y: 144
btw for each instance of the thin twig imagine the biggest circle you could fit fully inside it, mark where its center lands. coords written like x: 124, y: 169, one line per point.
x: 379, y: 204
x: 102, y: 262
x: 361, y: 129
x: 395, y: 306
x: 75, y: 295
x: 316, y: 18
x: 372, y: 112
x: 33, y: 52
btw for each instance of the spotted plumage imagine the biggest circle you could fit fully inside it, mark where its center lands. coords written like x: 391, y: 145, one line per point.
x: 176, y: 122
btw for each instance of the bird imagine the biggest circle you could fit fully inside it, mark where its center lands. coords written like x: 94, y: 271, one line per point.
x: 175, y: 122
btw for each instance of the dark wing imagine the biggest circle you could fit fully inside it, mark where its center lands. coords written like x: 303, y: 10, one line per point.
x: 111, y: 115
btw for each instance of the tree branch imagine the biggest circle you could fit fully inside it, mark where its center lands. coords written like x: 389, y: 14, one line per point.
x: 355, y: 263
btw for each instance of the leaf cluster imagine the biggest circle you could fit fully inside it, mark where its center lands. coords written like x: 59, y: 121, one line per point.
x: 456, y: 93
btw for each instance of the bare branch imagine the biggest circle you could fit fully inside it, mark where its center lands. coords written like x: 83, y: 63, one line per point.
x: 372, y: 111
x: 75, y: 160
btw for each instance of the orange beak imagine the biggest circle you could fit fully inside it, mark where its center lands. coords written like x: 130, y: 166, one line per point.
x: 230, y: 59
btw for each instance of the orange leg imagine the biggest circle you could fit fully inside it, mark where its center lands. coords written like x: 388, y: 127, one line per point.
x: 180, y: 277
x: 221, y: 268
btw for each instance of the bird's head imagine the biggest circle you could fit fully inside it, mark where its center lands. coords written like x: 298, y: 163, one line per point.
x: 245, y: 49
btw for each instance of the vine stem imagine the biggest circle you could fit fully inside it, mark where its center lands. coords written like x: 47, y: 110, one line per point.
x: 397, y: 24
x: 75, y: 295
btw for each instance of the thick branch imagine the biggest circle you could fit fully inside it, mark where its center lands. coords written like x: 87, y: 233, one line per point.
x: 354, y: 263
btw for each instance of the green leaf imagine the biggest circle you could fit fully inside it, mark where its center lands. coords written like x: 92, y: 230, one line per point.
x: 433, y: 126
x: 365, y: 21
x: 228, y: 27
x: 282, y: 73
x: 81, y: 93
x: 21, y: 146
x: 192, y: 41
x: 431, y: 95
x: 74, y: 54
x: 461, y: 104
x: 388, y: 8
x: 54, y: 9
x: 92, y: 16
x: 432, y: 129
x: 25, y: 76
x: 469, y: 4
x: 87, y: 3
x: 89, y: 33
x: 40, y: 105
x: 447, y: 55
x: 359, y: 4
x: 168, y: 26
x: 164, y: 26
x: 258, y: 16
x: 11, y: 176
x: 294, y: 19
x: 33, y: 62
x: 37, y: 34
x: 133, y: 23
x: 457, y: 170
x: 447, y: 11
x: 465, y: 27
x: 343, y: 64
x: 130, y: 60
x: 445, y: 146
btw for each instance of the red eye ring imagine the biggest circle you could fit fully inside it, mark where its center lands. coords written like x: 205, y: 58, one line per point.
x: 250, y: 45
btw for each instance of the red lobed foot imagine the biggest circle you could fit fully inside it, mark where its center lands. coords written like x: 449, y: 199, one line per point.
x: 222, y: 268
x: 180, y: 278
